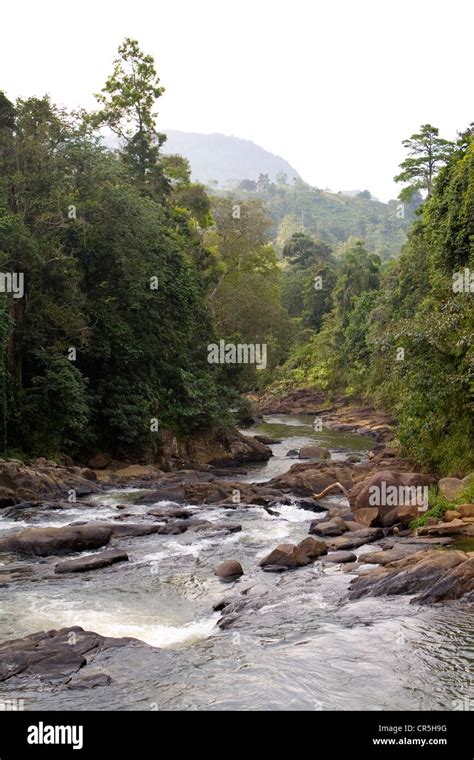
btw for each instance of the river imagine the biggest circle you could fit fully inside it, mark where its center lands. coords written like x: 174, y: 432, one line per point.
x: 307, y: 647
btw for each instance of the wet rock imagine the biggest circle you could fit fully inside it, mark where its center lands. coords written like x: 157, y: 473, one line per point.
x: 312, y: 548
x: 199, y: 526
x: 458, y: 583
x: 311, y: 505
x: 173, y: 528
x: 385, y: 490
x: 220, y: 605
x: 250, y: 420
x: 367, y: 516
x: 267, y: 440
x: 327, y: 528
x: 352, y: 526
x: 293, y: 453
x: 385, y: 557
x: 88, y: 680
x: 170, y: 513
x: 54, y: 657
x: 314, y: 452
x: 402, y: 515
x: 339, y: 558
x: 167, y: 492
x: 271, y: 512
x: 306, y: 479
x: 20, y: 482
x: 42, y: 542
x: 100, y: 461
x: 229, y: 569
x: 223, y: 447
x: 285, y: 556
x: 126, y: 530
x: 354, y: 539
x: 142, y: 471
x: 91, y: 562
x: 410, y: 575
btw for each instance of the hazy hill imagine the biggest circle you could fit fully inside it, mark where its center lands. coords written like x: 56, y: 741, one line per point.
x: 334, y: 217
x: 225, y: 159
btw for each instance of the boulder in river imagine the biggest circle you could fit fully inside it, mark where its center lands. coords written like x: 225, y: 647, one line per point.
x: 458, y: 583
x: 327, y: 528
x: 378, y: 496
x: 402, y: 515
x: 416, y: 575
x: 314, y: 452
x: 367, y: 516
x: 285, y: 556
x: 91, y: 562
x: 311, y: 505
x: 354, y: 539
x: 42, y: 480
x: 312, y: 547
x: 339, y: 558
x: 42, y: 542
x: 229, y: 569
x: 305, y: 479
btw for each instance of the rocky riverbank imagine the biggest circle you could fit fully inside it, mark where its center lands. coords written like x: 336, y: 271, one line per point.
x: 374, y: 545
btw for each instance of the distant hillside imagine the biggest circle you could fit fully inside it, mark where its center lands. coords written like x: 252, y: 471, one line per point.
x: 225, y: 159
x: 334, y: 217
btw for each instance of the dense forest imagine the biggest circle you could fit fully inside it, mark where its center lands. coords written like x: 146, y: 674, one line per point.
x: 126, y: 271
x: 332, y: 217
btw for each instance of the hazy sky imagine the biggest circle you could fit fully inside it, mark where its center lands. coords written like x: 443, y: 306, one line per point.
x: 331, y: 86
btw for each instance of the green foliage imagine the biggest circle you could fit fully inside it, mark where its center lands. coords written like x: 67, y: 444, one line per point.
x: 330, y: 217
x: 427, y: 153
x: 302, y: 250
x: 91, y: 233
x: 400, y: 335
x: 438, y: 505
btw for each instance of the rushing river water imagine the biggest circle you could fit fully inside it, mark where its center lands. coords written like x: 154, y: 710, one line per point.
x: 307, y: 648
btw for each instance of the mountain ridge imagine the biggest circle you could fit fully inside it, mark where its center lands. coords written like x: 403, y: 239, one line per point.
x: 225, y: 159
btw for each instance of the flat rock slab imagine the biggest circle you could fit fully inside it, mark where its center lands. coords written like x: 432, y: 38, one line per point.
x: 453, y: 528
x: 91, y: 562
x: 42, y: 542
x: 384, y: 557
x: 354, y: 539
x: 61, y: 658
x: 419, y: 574
x: 339, y: 558
x: 326, y: 528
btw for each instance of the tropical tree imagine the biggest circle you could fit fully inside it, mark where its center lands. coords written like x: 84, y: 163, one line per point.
x: 427, y: 153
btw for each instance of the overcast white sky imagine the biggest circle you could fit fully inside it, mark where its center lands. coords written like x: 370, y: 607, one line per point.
x: 331, y: 86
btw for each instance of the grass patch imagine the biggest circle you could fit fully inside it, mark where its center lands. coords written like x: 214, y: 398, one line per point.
x: 438, y: 505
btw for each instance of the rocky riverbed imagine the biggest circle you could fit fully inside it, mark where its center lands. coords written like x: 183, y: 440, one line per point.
x: 115, y: 596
